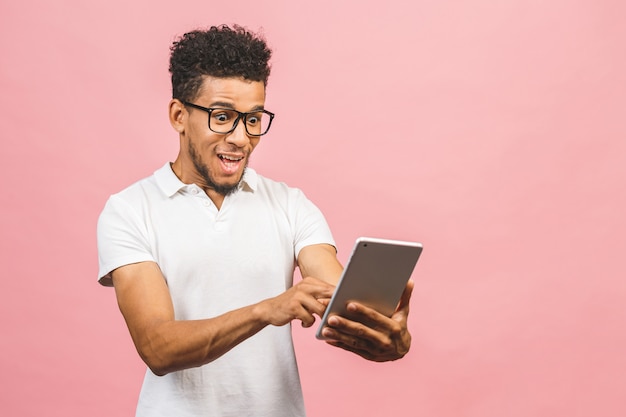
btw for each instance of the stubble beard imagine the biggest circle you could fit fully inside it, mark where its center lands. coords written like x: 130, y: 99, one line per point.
x: 205, y: 173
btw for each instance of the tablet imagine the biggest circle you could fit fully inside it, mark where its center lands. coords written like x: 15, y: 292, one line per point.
x: 375, y: 275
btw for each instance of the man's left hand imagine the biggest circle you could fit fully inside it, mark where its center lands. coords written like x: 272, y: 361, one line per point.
x: 370, y: 334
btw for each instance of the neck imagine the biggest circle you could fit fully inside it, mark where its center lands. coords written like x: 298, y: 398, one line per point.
x: 216, y: 197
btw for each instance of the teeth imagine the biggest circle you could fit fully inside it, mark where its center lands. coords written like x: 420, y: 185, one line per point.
x: 230, y: 158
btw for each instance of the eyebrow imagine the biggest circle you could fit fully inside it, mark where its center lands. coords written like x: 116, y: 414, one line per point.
x: 227, y: 105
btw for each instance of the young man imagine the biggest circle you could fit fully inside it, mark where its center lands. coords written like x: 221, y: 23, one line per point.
x: 202, y: 253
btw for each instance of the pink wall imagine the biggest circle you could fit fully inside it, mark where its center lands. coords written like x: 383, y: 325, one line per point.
x: 493, y: 132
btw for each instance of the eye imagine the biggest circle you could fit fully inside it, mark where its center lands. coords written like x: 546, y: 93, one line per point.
x: 253, y: 119
x: 221, y: 116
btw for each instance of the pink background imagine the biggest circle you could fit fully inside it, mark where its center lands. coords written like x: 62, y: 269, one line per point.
x: 491, y: 131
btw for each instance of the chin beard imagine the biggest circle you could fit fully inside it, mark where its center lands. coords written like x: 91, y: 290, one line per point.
x: 222, y: 189
x: 203, y: 170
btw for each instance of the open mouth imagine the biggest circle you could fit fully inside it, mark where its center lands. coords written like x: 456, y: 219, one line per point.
x: 230, y: 163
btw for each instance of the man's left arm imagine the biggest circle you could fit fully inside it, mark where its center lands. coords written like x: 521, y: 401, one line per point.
x: 369, y: 334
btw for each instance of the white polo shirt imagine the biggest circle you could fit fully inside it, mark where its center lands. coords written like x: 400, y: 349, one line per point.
x: 215, y: 261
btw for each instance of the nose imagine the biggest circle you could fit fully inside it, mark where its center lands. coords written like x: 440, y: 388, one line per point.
x: 238, y: 137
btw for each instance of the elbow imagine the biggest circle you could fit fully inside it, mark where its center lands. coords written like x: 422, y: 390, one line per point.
x: 158, y: 371
x: 156, y: 351
x: 160, y: 367
x: 156, y: 364
x: 162, y: 362
x: 163, y: 356
x: 156, y: 359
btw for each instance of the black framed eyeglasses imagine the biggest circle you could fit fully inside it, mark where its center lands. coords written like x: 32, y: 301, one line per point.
x: 223, y: 120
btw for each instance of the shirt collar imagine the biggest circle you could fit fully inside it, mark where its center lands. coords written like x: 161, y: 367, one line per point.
x: 250, y: 180
x: 169, y: 183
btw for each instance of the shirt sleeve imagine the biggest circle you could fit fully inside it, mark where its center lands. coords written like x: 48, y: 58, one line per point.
x: 123, y: 238
x: 310, y: 226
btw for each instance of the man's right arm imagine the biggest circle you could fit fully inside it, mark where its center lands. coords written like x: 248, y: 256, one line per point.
x: 166, y: 344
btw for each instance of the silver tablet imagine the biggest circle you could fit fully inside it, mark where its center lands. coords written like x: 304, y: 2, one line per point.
x: 375, y: 275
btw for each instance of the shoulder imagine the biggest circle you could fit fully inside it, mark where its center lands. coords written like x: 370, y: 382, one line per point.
x: 287, y: 199
x: 277, y: 189
x: 159, y: 185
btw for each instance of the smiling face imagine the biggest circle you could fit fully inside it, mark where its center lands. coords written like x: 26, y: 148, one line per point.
x: 215, y: 161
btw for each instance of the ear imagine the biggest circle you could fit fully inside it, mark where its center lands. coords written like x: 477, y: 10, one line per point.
x: 177, y: 113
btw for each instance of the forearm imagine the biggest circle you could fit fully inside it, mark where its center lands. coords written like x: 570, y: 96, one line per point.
x: 179, y: 344
x: 166, y: 344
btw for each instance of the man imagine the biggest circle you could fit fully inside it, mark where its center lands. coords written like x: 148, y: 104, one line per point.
x: 202, y: 253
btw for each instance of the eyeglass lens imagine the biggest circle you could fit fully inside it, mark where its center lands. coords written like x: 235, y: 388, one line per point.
x: 223, y: 121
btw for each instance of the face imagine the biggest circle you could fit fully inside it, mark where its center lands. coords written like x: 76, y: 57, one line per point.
x: 215, y: 161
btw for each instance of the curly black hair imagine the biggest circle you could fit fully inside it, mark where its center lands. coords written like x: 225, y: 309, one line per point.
x: 220, y: 51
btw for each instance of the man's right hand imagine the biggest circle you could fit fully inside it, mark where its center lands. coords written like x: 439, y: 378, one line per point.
x: 307, y: 298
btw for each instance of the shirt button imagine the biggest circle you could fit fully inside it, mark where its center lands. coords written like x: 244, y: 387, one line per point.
x: 194, y: 191
x: 206, y: 203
